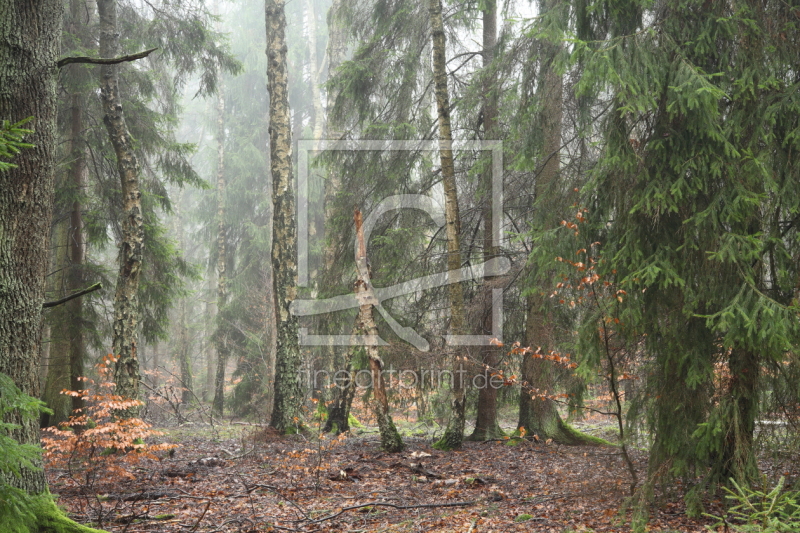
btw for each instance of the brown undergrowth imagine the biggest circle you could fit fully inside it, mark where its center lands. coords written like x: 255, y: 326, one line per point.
x: 256, y: 480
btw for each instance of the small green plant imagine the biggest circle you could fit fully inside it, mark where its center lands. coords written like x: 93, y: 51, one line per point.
x: 776, y: 511
x: 15, y: 504
x: 523, y: 518
x: 11, y: 143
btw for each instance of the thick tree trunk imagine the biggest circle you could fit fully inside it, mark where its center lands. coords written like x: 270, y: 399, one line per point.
x: 29, y: 38
x: 221, y: 337
x: 454, y: 434
x: 286, y: 411
x: 126, y: 298
x: 486, y: 426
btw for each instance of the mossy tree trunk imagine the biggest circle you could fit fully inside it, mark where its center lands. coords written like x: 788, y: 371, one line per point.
x: 126, y: 298
x: 286, y: 410
x: 29, y: 37
x: 29, y: 44
x: 344, y: 391
x: 454, y: 434
x: 486, y: 426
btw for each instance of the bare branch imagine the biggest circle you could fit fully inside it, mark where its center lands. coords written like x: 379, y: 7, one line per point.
x: 96, y: 286
x: 104, y: 61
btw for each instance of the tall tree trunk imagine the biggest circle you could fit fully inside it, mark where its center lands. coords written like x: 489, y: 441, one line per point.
x: 486, y: 426
x: 286, y: 411
x: 29, y: 46
x: 126, y: 298
x: 540, y: 416
x: 184, y: 348
x: 67, y: 338
x: 27, y: 76
x: 343, y: 394
x: 58, y: 375
x: 77, y: 247
x: 221, y: 336
x: 454, y: 434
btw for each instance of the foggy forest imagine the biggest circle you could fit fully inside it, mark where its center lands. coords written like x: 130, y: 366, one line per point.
x: 393, y: 266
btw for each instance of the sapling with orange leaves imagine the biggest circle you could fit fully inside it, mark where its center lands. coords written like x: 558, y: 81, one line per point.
x: 95, y: 440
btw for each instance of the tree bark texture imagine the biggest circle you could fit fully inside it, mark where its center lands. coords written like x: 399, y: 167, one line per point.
x: 454, y: 434
x: 221, y: 337
x: 286, y: 410
x: 29, y: 47
x: 390, y: 438
x: 126, y: 298
x: 486, y: 425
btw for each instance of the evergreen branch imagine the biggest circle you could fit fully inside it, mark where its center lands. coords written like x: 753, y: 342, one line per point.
x: 104, y: 61
x: 95, y: 287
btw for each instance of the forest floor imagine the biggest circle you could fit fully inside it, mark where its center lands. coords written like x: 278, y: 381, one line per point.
x: 243, y: 478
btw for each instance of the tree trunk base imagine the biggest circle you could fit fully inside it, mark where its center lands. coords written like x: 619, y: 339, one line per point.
x: 484, y: 434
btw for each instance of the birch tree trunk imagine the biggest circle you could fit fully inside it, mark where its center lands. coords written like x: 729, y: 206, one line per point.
x: 486, y: 426
x: 288, y: 395
x: 390, y: 438
x: 126, y: 298
x: 454, y: 434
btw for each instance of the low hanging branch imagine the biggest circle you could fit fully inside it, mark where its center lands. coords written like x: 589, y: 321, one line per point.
x: 104, y: 61
x: 95, y: 287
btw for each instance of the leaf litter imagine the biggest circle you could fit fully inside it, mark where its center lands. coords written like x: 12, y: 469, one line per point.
x: 265, y: 482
